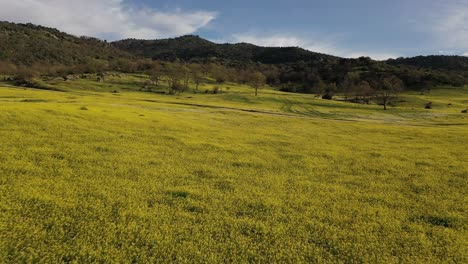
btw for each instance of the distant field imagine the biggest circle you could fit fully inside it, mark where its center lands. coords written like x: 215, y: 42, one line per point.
x: 101, y: 172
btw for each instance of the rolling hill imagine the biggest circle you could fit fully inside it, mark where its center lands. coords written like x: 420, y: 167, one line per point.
x: 192, y: 47
x: 290, y: 68
x: 450, y: 63
x: 28, y: 44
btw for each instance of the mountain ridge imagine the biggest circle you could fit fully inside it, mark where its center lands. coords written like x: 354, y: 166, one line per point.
x: 193, y: 47
x: 54, y: 46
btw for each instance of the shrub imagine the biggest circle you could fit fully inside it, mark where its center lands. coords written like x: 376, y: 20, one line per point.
x: 428, y: 105
x: 177, y: 88
x: 24, y: 77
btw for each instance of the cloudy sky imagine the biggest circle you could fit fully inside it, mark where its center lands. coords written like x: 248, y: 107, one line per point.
x: 376, y: 28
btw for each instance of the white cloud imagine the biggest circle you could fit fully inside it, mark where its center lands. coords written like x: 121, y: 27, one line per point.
x: 279, y: 40
x: 465, y: 54
x: 374, y: 55
x: 447, y: 52
x: 453, y: 28
x: 105, y: 18
x: 448, y: 26
x: 323, y: 46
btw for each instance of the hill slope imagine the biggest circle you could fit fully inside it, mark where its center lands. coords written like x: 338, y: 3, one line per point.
x: 450, y: 63
x: 305, y: 70
x: 27, y: 44
x: 290, y: 68
x: 195, y: 48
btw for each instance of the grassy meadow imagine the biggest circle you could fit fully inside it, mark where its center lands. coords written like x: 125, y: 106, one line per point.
x: 102, y: 172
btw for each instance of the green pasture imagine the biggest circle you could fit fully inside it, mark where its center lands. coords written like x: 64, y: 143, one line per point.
x: 108, y: 173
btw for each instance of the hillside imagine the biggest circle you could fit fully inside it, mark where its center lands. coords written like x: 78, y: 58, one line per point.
x: 450, y: 63
x: 28, y: 44
x: 299, y: 70
x: 195, y: 48
x: 289, y: 68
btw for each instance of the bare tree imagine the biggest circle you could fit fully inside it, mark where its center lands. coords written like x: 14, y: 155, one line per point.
x: 174, y: 75
x: 198, y: 73
x: 101, y: 77
x: 256, y: 80
x: 330, y: 90
x: 185, y: 71
x: 178, y: 77
x: 155, y: 74
x: 7, y: 68
x: 219, y: 73
x: 389, y: 89
x: 363, y: 91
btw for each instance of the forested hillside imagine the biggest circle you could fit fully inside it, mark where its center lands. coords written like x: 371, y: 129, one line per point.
x: 28, y: 44
x: 49, y: 51
x: 451, y: 63
x: 195, y: 48
x: 298, y: 70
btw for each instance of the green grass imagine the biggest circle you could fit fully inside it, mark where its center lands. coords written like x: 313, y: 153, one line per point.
x: 87, y: 175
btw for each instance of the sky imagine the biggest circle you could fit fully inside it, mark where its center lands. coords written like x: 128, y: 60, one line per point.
x: 379, y: 29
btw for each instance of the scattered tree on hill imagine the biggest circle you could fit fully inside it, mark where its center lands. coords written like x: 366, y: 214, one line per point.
x: 219, y: 72
x: 256, y: 80
x: 178, y: 78
x: 186, y: 76
x: 25, y: 75
x: 362, y: 92
x: 272, y: 74
x: 178, y: 88
x: 53, y: 53
x: 330, y: 91
x: 7, y: 68
x: 101, y: 77
x: 389, y: 89
x: 197, y: 74
x: 176, y: 74
x: 155, y: 74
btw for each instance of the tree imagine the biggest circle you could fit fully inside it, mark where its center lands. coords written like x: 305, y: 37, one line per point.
x: 272, y: 74
x: 25, y: 74
x: 219, y: 73
x: 155, y: 73
x: 25, y: 77
x: 256, y: 80
x: 330, y: 90
x: 97, y: 66
x: 197, y: 74
x: 186, y: 76
x: 177, y: 73
x: 178, y: 88
x: 361, y: 91
x: 101, y: 77
x: 426, y: 87
x: 389, y: 88
x: 172, y: 75
x: 349, y: 84
x: 6, y: 68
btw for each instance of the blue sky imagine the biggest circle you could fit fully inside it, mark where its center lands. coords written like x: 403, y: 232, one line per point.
x: 379, y: 28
